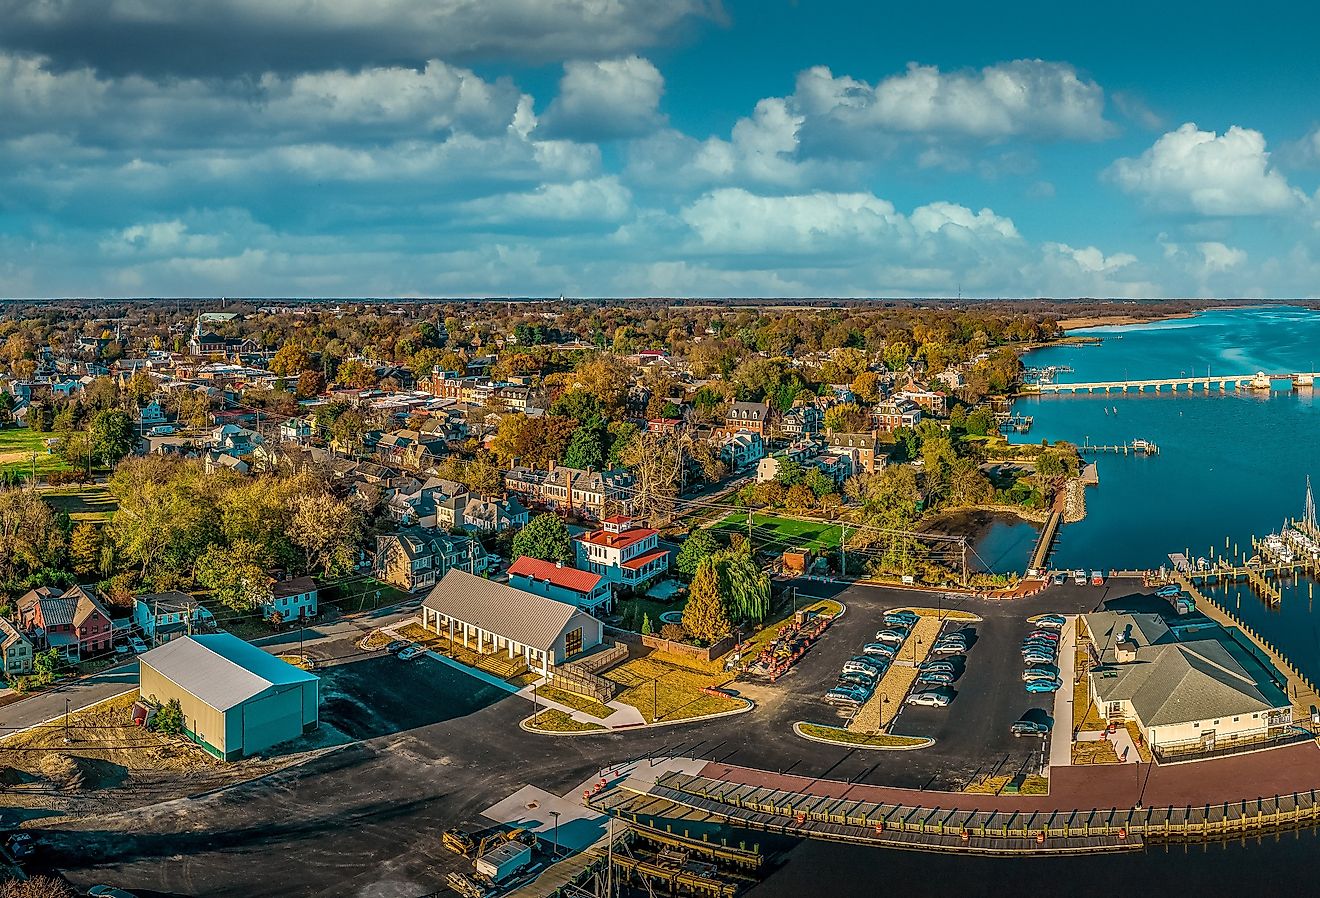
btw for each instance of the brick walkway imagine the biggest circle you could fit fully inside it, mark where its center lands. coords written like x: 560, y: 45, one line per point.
x: 1280, y: 771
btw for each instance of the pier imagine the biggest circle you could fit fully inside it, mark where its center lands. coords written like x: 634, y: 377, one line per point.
x: 1045, y: 542
x: 1015, y: 424
x: 1136, y: 447
x: 1205, y: 383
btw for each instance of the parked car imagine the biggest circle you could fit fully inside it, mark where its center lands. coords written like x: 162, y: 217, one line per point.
x: 846, y: 696
x: 1045, y: 634
x: 137, y: 644
x: 1169, y: 591
x: 863, y: 679
x: 879, y: 650
x: 1060, y: 578
x: 948, y: 648
x: 1029, y: 728
x: 930, y: 698
x: 1051, y: 621
x: 952, y: 637
x: 1079, y: 577
x: 1039, y: 657
x: 21, y: 845
x: 1040, y: 671
x: 934, y: 678
x: 904, y: 618
x: 109, y: 892
x: 1035, y: 686
x: 1040, y: 642
x: 411, y: 652
x: 1097, y: 578
x: 397, y: 645
x: 864, y: 662
x: 945, y: 666
x: 895, y: 637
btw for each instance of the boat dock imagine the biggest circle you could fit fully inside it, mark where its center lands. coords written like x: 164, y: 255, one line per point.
x: 1207, y: 383
x: 1136, y: 447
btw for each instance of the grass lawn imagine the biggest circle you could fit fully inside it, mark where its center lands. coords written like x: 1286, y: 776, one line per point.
x: 943, y: 613
x: 553, y: 720
x: 574, y: 701
x: 1031, y: 785
x: 497, y: 663
x: 17, y: 445
x: 848, y: 737
x: 772, y: 533
x: 353, y: 596
x: 666, y: 692
x: 1101, y: 751
x: 877, y: 713
x: 1086, y: 716
x: 91, y: 503
x: 632, y: 610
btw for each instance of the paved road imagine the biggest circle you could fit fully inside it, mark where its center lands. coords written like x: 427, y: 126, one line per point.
x: 89, y: 690
x: 433, y: 748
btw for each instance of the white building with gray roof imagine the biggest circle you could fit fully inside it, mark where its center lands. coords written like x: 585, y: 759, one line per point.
x: 1190, y: 687
x: 490, y: 617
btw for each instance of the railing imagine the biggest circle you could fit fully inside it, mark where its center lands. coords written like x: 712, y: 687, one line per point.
x: 574, y: 679
x: 1196, y: 750
x: 598, y: 661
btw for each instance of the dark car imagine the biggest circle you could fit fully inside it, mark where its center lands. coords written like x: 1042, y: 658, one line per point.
x: 1029, y: 728
x: 397, y: 645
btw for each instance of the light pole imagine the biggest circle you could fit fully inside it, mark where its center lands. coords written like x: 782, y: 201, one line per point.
x: 555, y: 814
x: 67, y: 740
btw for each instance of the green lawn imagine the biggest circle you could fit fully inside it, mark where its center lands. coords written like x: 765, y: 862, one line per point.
x: 358, y: 595
x: 774, y: 534
x: 17, y: 445
x: 90, y: 502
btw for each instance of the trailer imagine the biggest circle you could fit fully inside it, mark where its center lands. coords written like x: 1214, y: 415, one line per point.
x: 505, y: 861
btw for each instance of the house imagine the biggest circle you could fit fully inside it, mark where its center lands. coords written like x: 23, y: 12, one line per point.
x: 803, y: 420
x: 932, y: 401
x: 161, y: 616
x: 493, y: 515
x: 868, y: 456
x: 73, y: 622
x: 889, y: 416
x: 491, y: 617
x: 151, y: 414
x: 215, y: 462
x: 296, y: 430
x: 588, y: 591
x: 1187, y: 690
x: 622, y: 553
x: 17, y: 649
x: 415, y: 559
x: 293, y: 599
x: 800, y: 451
x: 234, y: 439
x: 590, y: 494
x: 741, y: 449
x: 237, y: 700
x: 753, y: 416
x: 206, y: 344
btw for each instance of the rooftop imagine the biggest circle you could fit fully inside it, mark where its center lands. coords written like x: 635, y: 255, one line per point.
x: 220, y: 669
x: 556, y: 574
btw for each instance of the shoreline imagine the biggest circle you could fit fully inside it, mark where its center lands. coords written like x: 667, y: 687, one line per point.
x: 1076, y: 324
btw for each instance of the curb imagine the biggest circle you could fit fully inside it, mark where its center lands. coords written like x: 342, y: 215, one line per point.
x: 797, y: 731
x: 640, y: 728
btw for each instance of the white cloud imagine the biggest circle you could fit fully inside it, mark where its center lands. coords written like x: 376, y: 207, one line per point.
x: 603, y: 201
x: 1219, y: 257
x: 1090, y: 259
x: 607, y: 99
x: 1026, y: 97
x: 1207, y: 173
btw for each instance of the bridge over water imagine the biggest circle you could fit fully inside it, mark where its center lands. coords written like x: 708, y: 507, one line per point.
x: 1204, y: 382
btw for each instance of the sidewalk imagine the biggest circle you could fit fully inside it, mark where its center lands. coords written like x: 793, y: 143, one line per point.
x: 1061, y: 736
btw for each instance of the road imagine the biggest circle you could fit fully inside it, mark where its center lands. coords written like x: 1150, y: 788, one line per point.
x: 433, y: 748
x: 87, y: 691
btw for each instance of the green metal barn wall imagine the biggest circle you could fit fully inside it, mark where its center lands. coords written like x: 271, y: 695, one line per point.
x: 275, y: 715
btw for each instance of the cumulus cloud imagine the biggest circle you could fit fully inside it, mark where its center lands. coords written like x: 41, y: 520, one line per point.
x: 233, y: 36
x: 605, y: 100
x: 1190, y: 170
x: 1026, y: 97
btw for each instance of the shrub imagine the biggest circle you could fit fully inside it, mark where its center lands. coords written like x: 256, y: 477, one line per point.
x: 169, y: 719
x: 673, y: 632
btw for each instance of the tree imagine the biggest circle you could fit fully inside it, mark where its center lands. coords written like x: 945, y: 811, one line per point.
x: 354, y: 373
x: 846, y: 418
x: 85, y: 549
x: 41, y: 886
x: 799, y: 498
x: 867, y: 386
x: 291, y: 359
x: 237, y: 575
x: 704, y: 617
x: 545, y: 537
x: 700, y: 545
x: 326, y: 529
x: 169, y: 718
x: 968, y: 484
x: 744, y: 588
x: 646, y: 624
x: 584, y: 449
x: 310, y: 383
x: 111, y: 435
x: 47, y: 664
x: 31, y: 538
x: 980, y: 421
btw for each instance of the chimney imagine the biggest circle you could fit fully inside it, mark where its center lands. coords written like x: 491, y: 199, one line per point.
x: 558, y: 565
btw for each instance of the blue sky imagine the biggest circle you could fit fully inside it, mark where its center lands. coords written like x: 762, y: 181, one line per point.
x: 634, y: 148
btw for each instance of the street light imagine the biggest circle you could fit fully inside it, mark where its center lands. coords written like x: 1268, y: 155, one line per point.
x: 555, y: 814
x: 67, y: 740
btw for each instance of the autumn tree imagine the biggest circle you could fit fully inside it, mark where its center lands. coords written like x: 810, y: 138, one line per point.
x: 704, y: 616
x: 291, y: 359
x: 85, y: 549
x: 326, y: 529
x: 846, y: 417
x: 238, y: 575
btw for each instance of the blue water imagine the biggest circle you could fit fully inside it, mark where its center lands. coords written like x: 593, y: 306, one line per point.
x: 1230, y: 465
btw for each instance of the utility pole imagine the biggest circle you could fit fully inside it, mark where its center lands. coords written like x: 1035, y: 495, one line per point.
x: 843, y: 554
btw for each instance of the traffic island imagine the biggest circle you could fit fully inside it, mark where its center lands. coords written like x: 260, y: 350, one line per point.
x: 849, y: 739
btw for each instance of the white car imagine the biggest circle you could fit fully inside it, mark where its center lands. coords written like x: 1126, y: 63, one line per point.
x: 929, y: 699
x: 109, y: 892
x: 137, y: 644
x: 411, y: 652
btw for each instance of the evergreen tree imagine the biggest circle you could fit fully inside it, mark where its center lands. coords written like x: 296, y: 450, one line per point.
x: 704, y: 617
x: 545, y: 537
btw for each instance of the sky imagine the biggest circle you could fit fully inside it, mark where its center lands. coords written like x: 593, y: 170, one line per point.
x: 623, y: 148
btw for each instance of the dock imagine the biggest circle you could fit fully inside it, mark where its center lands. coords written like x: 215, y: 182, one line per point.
x: 1207, y: 383
x: 1136, y: 447
x: 1045, y: 542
